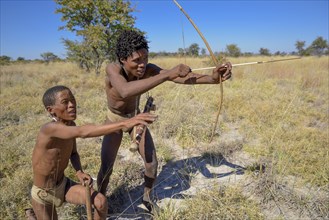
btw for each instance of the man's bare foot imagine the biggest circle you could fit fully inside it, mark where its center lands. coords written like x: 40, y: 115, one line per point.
x: 152, y: 207
x: 30, y: 215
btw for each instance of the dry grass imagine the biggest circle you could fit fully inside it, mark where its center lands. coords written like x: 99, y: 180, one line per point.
x: 281, y: 110
x: 215, y: 203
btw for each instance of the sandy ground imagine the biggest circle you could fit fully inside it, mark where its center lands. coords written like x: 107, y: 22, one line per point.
x: 189, y: 172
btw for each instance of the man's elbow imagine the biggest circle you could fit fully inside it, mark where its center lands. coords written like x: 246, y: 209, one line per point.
x: 124, y: 94
x: 84, y: 136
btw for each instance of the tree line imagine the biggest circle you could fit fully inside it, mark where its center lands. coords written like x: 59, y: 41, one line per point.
x: 98, y: 23
x: 318, y: 47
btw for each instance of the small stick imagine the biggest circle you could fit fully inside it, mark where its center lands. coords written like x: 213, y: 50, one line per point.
x: 88, y: 201
x: 244, y: 64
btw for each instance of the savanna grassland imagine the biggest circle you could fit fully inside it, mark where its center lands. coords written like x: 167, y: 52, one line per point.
x: 280, y: 111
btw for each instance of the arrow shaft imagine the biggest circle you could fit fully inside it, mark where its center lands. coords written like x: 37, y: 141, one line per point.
x: 245, y: 64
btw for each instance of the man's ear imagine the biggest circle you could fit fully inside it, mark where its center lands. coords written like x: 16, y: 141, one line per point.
x: 50, y: 110
x: 122, y: 60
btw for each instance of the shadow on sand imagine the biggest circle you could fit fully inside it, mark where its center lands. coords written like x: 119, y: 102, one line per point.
x: 173, y: 180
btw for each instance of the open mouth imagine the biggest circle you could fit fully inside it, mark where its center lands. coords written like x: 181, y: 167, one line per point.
x: 72, y: 112
x: 141, y: 72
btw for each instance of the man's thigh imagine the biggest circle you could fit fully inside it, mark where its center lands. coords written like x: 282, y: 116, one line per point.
x: 76, y: 194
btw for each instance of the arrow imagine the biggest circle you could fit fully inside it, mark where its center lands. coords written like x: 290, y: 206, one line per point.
x: 245, y: 64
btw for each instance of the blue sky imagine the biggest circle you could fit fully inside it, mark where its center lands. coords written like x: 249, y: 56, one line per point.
x: 29, y: 28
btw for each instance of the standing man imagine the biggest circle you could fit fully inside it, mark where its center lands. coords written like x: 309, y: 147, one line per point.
x: 125, y: 82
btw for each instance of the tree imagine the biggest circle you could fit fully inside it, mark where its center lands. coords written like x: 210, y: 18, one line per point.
x: 278, y: 53
x: 4, y: 60
x: 264, y: 52
x: 49, y: 57
x: 300, y: 47
x: 318, y: 46
x: 20, y: 59
x: 152, y: 54
x: 203, y: 52
x: 79, y: 52
x: 248, y: 54
x: 98, y: 23
x: 233, y: 50
x: 181, y: 51
x: 194, y: 49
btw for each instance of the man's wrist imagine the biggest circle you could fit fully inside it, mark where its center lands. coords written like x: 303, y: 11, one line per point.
x: 79, y: 171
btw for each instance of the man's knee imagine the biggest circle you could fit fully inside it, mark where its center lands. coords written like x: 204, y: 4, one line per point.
x: 100, y: 202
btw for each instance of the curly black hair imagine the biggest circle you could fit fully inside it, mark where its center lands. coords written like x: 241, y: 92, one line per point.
x: 128, y: 42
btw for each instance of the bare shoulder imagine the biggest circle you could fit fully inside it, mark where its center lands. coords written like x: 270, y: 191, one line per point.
x: 113, y: 68
x: 51, y: 127
x: 48, y: 126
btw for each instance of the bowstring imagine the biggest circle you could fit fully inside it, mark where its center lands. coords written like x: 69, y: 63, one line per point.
x: 184, y: 45
x: 137, y: 102
x: 175, y: 173
x: 134, y: 201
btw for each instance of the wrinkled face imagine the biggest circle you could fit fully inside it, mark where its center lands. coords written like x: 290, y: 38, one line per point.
x: 136, y: 63
x: 64, y: 108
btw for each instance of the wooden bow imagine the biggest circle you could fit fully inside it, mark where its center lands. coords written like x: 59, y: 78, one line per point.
x: 215, y: 61
x: 88, y: 201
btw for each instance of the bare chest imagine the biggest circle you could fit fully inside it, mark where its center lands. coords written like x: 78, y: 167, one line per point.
x: 121, y: 106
